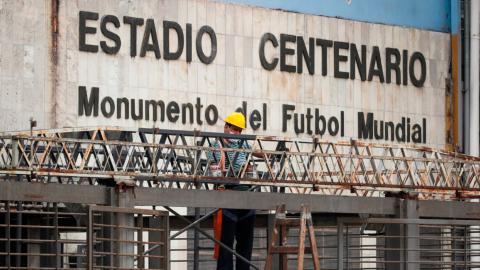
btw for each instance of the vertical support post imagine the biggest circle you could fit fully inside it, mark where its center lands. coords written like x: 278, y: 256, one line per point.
x: 117, y: 237
x: 166, y: 246
x: 89, y: 238
x: 347, y: 240
x: 155, y: 236
x: 474, y: 80
x: 34, y: 233
x: 140, y: 241
x: 396, y: 243
x: 339, y: 245
x: 313, y: 241
x: 196, y: 241
x: 3, y: 235
x: 154, y: 159
x: 465, y: 246
x: 405, y: 256
x: 301, y: 238
x: 453, y: 101
x: 474, y: 100
x: 196, y: 235
x: 108, y: 232
x: 272, y: 240
x: 283, y: 240
x: 466, y: 86
x: 126, y: 199
x: 411, y: 233
x: 15, y: 153
x: 277, y: 260
x: 18, y: 243
x: 454, y: 233
x: 32, y: 125
x: 9, y: 243
x: 55, y: 231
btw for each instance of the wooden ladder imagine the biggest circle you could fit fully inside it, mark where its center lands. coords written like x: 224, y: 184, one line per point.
x: 281, y: 223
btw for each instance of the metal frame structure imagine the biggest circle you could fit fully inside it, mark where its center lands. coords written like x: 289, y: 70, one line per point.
x: 438, y: 247
x: 121, y: 242
x: 181, y: 159
x: 148, y: 167
x: 54, y: 236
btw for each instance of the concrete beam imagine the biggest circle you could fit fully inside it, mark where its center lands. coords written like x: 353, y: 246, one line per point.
x: 39, y: 192
x: 261, y: 221
x: 263, y: 201
x: 449, y: 209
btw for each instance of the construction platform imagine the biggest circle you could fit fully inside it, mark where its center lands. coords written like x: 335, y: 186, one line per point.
x: 77, y: 198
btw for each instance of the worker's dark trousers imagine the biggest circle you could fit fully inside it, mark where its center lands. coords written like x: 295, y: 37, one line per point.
x: 240, y: 224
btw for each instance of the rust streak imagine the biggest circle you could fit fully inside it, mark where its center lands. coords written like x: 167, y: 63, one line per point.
x: 54, y: 9
x: 33, y: 196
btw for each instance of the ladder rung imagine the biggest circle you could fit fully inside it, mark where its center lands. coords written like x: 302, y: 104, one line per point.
x: 288, y: 250
x: 287, y: 222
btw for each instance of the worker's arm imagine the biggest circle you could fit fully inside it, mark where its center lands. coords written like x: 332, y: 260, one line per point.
x: 258, y: 154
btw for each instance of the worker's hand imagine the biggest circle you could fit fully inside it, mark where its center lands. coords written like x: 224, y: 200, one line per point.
x: 258, y: 153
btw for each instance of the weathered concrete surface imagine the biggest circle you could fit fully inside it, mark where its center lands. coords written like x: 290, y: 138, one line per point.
x: 42, y: 66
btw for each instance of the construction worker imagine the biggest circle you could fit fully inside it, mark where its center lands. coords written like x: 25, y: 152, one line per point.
x: 234, y: 223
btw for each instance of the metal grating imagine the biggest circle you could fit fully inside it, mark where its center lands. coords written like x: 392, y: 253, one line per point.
x: 114, y: 241
x: 414, y: 244
x: 41, y: 236
x: 52, y: 236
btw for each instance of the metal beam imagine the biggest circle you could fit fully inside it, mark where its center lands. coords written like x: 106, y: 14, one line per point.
x: 40, y: 192
x: 261, y: 221
x: 54, y: 192
x: 449, y: 209
x: 263, y: 201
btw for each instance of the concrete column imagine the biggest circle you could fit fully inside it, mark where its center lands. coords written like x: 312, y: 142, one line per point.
x: 407, y: 209
x: 155, y: 222
x: 3, y: 234
x: 107, y: 232
x: 412, y: 230
x: 395, y: 230
x: 34, y: 233
x: 126, y: 199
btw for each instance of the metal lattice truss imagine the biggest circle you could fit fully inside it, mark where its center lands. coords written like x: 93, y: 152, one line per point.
x: 181, y: 159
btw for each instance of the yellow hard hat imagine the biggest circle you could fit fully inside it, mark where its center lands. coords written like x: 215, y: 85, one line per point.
x: 236, y: 119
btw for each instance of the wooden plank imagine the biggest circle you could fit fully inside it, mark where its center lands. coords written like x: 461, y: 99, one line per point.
x: 268, y: 264
x: 301, y: 239
x: 284, y: 242
x: 289, y: 250
x: 313, y: 242
x: 287, y: 222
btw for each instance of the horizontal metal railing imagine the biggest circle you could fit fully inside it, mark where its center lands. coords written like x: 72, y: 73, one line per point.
x: 52, y: 237
x: 35, y: 238
x: 414, y: 244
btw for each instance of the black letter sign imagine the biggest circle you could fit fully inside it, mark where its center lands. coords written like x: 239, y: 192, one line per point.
x: 423, y: 75
x: 266, y: 37
x: 166, y: 38
x: 83, y: 30
x: 206, y: 29
x: 103, y: 26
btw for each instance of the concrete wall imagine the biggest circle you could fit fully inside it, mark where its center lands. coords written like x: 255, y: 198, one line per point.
x: 425, y: 14
x: 41, y: 80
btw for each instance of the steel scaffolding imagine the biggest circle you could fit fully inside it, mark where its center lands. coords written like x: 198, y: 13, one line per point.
x: 409, y: 193
x: 181, y: 159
